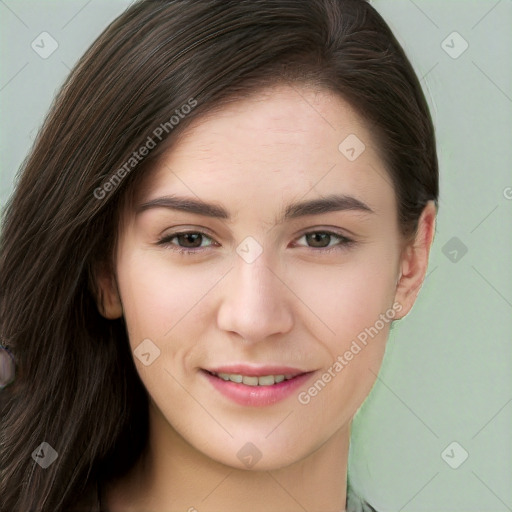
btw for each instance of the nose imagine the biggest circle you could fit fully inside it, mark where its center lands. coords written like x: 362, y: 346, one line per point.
x: 255, y: 301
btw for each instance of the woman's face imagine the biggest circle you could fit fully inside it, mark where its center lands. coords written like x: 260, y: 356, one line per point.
x: 290, y: 268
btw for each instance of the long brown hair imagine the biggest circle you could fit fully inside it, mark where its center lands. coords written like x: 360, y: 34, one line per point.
x: 76, y: 386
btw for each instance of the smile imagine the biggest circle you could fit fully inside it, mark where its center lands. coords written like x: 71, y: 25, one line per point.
x: 250, y: 380
x: 249, y: 386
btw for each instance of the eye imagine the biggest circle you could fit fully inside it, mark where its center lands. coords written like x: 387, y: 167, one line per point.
x: 190, y: 242
x: 322, y: 240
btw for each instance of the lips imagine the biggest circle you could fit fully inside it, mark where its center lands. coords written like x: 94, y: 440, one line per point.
x: 256, y: 386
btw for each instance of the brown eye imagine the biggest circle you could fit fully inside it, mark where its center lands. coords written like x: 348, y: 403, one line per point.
x: 323, y: 240
x: 187, y: 241
x: 318, y: 239
x: 190, y: 240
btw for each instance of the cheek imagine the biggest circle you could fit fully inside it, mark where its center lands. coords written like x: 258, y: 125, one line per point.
x: 161, y: 302
x: 348, y: 297
x: 158, y: 296
x: 352, y: 303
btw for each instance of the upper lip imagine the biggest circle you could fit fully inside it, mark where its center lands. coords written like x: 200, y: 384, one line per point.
x: 256, y: 371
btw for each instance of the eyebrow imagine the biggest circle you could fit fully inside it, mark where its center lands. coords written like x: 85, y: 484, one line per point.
x: 331, y: 203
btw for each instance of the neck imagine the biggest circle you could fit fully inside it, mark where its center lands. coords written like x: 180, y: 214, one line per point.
x: 173, y: 475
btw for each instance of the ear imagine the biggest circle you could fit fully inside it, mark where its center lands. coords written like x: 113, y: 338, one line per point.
x: 414, y: 261
x: 106, y: 291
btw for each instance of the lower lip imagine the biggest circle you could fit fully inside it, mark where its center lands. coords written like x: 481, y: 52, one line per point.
x: 256, y: 395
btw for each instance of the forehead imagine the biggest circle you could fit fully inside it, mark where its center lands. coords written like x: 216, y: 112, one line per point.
x: 285, y: 140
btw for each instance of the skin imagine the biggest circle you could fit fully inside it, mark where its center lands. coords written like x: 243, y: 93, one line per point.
x: 294, y: 305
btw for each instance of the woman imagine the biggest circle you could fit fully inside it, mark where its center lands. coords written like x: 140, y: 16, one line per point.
x: 224, y: 212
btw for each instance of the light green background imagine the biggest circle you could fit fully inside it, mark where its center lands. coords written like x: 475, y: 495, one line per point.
x: 447, y: 372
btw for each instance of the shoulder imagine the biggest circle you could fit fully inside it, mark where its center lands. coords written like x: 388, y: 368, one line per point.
x: 356, y: 504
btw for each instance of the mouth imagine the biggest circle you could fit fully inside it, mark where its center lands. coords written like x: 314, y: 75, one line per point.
x: 253, y: 380
x: 250, y: 386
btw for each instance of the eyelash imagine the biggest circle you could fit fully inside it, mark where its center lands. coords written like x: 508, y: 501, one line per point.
x: 166, y: 242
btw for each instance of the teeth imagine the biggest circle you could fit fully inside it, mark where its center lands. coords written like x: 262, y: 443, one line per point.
x: 264, y: 380
x: 250, y: 381
x: 229, y: 376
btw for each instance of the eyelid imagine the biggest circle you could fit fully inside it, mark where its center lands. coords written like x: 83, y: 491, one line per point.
x: 332, y: 230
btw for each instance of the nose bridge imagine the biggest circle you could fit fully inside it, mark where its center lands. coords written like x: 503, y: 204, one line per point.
x: 255, y: 284
x: 255, y: 303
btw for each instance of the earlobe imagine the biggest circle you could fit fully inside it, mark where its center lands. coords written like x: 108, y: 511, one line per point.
x: 414, y: 261
x: 108, y: 299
